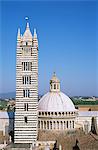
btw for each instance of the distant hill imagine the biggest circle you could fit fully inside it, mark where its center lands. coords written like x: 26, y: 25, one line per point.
x: 7, y: 95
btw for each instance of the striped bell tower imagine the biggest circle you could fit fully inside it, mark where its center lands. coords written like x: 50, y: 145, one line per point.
x: 26, y: 118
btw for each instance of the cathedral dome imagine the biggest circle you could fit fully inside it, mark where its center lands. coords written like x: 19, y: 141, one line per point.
x: 55, y: 100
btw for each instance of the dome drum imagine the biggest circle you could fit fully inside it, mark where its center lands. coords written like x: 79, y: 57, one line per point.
x: 56, y: 114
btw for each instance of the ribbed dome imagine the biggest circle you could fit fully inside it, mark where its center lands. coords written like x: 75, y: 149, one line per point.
x: 55, y: 101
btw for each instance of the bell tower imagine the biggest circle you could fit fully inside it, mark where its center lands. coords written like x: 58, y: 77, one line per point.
x: 26, y: 117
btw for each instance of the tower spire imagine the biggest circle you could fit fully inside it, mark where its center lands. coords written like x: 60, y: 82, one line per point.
x: 26, y: 18
x: 18, y: 35
x: 35, y: 34
x: 27, y: 25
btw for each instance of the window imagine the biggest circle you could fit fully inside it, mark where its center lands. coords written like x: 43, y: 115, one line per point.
x: 54, y: 86
x: 26, y: 79
x: 26, y: 93
x: 25, y: 118
x: 27, y: 66
x: 26, y: 43
x: 26, y: 107
x: 23, y: 80
x: 23, y: 93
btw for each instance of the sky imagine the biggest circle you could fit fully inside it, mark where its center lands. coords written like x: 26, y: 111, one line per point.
x: 67, y: 35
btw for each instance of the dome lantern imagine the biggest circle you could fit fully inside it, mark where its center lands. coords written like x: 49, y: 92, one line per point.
x: 54, y: 84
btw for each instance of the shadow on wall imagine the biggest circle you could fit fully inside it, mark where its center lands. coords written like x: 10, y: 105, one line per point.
x: 76, y: 147
x: 94, y: 125
x: 11, y: 114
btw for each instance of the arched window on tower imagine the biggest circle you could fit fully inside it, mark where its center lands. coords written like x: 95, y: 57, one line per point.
x: 25, y: 119
x: 25, y: 106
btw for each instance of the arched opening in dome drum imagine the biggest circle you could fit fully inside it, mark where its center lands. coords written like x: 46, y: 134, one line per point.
x: 49, y: 113
x: 39, y: 113
x: 56, y: 113
x: 45, y: 113
x: 42, y: 113
x: 59, y: 114
x: 62, y: 113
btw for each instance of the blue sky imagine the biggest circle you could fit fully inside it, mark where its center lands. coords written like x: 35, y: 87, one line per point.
x: 67, y: 43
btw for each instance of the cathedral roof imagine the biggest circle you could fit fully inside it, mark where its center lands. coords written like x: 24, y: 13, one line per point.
x: 27, y: 34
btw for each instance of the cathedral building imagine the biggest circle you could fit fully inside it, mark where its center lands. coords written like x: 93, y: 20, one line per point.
x: 55, y: 111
